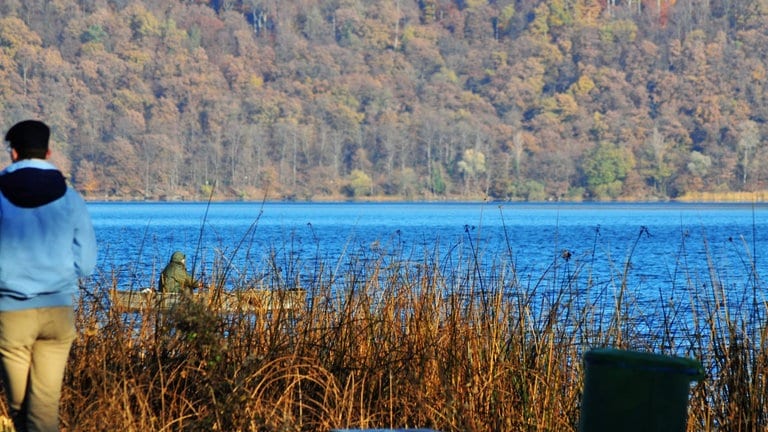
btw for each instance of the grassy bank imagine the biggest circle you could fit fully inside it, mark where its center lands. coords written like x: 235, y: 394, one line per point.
x: 404, y: 345
x: 723, y: 197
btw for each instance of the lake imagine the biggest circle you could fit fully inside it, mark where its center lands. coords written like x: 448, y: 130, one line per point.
x: 660, y: 252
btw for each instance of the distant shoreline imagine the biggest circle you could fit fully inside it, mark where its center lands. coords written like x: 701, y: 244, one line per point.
x: 700, y: 197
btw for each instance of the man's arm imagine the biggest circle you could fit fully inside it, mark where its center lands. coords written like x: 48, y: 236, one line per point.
x: 84, y: 242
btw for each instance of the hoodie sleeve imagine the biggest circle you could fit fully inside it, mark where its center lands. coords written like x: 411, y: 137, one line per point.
x: 84, y: 242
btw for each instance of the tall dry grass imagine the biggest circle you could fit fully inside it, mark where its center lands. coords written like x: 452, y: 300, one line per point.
x: 397, y: 343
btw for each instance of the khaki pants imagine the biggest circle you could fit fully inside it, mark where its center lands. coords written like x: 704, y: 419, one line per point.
x: 34, y: 347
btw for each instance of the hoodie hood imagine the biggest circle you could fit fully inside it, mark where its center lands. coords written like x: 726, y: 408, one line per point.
x: 32, y: 185
x: 178, y: 257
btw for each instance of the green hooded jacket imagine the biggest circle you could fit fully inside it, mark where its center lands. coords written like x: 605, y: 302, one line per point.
x: 174, y: 278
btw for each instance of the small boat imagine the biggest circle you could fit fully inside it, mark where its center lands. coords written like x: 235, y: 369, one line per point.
x: 249, y: 300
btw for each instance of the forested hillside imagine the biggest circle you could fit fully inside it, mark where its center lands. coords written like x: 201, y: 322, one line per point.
x: 393, y: 99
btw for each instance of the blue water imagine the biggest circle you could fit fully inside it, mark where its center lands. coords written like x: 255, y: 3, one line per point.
x: 657, y: 251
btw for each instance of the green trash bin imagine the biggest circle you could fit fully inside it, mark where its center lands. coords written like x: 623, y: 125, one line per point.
x: 634, y: 391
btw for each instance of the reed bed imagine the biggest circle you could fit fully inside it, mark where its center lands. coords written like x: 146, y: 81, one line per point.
x: 398, y: 343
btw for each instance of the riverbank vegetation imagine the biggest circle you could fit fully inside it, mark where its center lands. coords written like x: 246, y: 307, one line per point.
x: 393, y: 342
x: 410, y: 100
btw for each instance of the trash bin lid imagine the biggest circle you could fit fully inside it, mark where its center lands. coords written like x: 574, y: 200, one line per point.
x: 645, y: 361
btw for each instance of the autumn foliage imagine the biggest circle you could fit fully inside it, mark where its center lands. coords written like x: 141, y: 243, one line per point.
x: 363, y: 99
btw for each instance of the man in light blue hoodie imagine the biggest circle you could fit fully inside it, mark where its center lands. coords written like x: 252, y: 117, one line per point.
x: 47, y: 243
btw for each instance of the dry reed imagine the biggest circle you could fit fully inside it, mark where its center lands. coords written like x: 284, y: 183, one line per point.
x: 393, y: 343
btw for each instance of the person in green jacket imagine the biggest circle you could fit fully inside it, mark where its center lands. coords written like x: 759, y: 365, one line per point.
x: 174, y: 278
